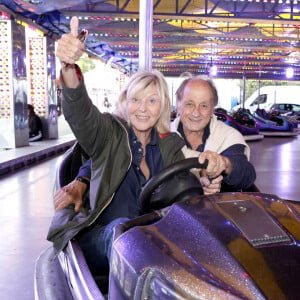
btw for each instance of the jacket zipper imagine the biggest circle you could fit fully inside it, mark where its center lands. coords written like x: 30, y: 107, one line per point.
x: 110, y: 199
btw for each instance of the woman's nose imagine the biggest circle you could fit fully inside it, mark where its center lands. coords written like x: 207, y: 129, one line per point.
x: 142, y: 106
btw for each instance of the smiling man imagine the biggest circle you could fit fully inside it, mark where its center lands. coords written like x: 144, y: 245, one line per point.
x: 222, y: 145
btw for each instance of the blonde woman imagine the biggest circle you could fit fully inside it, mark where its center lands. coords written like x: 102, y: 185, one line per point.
x: 126, y: 149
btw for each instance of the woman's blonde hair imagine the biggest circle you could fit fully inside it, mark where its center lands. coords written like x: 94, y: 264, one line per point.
x: 138, y: 83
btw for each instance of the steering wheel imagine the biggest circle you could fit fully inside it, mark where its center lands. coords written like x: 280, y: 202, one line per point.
x: 178, y: 180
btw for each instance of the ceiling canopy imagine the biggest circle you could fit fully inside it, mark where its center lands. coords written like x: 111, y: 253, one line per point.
x: 251, y: 38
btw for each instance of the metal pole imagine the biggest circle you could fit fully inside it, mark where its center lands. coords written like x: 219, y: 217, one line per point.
x: 258, y: 91
x: 244, y: 89
x: 145, y: 35
x: 259, y: 86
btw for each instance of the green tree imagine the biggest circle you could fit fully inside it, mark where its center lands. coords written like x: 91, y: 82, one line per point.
x: 86, y: 64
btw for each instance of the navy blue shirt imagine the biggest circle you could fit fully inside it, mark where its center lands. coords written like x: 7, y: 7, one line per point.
x: 85, y: 169
x: 124, y: 203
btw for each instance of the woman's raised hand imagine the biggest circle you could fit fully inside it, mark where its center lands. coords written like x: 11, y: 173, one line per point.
x: 70, y: 48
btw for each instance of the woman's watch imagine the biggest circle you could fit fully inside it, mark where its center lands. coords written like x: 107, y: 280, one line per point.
x: 81, y: 179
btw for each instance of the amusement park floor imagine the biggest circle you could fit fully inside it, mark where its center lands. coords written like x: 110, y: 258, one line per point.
x: 26, y: 206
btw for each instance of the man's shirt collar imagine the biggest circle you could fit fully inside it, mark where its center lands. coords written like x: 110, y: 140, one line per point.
x: 206, y: 134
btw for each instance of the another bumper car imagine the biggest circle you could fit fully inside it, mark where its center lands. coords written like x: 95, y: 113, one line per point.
x: 240, y: 245
x: 273, y: 125
x: 245, y: 125
x: 291, y: 117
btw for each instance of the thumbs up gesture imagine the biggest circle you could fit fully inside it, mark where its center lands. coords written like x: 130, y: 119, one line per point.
x: 70, y: 48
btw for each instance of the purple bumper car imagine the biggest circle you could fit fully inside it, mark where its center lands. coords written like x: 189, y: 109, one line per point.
x: 271, y: 125
x: 245, y: 125
x: 239, y: 245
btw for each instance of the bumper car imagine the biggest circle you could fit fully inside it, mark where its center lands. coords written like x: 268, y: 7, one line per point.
x: 291, y: 117
x: 245, y: 125
x: 239, y: 245
x: 273, y: 125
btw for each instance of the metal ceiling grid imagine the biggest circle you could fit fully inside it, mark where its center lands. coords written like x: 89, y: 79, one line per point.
x: 258, y: 39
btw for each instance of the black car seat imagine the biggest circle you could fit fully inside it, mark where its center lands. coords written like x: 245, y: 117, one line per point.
x: 69, y: 165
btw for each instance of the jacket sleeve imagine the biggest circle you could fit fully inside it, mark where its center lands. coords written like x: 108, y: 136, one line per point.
x: 243, y: 173
x: 85, y: 120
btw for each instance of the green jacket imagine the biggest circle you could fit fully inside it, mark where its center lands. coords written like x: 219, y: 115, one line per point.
x: 104, y: 137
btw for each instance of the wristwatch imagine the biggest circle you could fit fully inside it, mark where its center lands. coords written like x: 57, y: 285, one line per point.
x: 81, y: 179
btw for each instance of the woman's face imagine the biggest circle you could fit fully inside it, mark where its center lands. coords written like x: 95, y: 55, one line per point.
x: 144, y: 109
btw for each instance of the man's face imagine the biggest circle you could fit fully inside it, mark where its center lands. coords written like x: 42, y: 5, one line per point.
x: 196, y: 106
